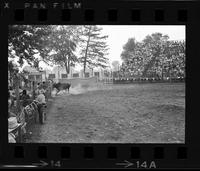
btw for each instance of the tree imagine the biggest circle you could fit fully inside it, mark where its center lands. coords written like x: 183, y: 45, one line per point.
x: 12, y: 72
x: 93, y: 48
x: 174, y: 64
x: 156, y: 44
x: 63, y: 46
x: 155, y: 56
x: 26, y: 41
x: 132, y: 56
x: 128, y: 49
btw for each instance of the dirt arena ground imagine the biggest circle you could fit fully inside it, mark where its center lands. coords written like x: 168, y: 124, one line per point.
x: 128, y: 113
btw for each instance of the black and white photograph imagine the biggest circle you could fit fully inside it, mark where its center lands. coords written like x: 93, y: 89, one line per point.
x: 96, y: 83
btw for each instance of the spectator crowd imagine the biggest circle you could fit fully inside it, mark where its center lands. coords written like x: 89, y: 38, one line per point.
x: 31, y: 103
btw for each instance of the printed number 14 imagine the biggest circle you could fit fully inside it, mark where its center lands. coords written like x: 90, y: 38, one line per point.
x: 55, y: 164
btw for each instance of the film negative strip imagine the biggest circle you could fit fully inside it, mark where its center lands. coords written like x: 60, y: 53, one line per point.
x: 132, y: 116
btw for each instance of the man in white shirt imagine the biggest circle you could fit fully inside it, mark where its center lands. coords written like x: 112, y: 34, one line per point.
x: 41, y: 98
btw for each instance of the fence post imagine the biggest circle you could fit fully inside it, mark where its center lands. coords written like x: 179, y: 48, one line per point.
x: 33, y: 88
x: 50, y: 89
x: 16, y: 80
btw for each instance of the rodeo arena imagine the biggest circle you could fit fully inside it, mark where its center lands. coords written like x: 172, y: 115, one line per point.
x: 30, y: 100
x: 135, y: 101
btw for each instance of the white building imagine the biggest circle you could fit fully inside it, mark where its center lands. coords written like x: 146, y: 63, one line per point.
x: 35, y: 75
x: 59, y: 72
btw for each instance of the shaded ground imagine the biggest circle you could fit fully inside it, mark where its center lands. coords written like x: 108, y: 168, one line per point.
x: 145, y: 113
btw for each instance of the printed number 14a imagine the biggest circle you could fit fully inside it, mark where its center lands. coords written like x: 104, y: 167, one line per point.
x: 144, y: 164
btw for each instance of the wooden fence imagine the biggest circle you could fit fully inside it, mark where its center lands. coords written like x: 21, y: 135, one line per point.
x: 80, y: 81
x: 18, y: 107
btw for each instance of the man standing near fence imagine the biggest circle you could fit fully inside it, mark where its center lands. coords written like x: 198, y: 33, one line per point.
x: 41, y: 99
x: 45, y: 89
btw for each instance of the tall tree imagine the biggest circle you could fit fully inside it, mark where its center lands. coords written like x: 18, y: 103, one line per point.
x: 132, y: 56
x: 128, y: 49
x: 156, y: 45
x: 63, y: 42
x: 93, y: 48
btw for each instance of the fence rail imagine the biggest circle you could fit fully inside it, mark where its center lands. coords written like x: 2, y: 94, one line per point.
x: 143, y: 80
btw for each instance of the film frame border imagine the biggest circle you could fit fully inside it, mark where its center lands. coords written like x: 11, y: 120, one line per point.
x: 109, y: 155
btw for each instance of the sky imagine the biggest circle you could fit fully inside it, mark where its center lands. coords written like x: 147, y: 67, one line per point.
x: 118, y: 35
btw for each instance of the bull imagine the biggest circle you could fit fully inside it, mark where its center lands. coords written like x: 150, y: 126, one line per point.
x: 61, y: 86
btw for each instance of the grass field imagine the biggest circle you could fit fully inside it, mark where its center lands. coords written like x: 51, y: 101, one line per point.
x: 128, y: 113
